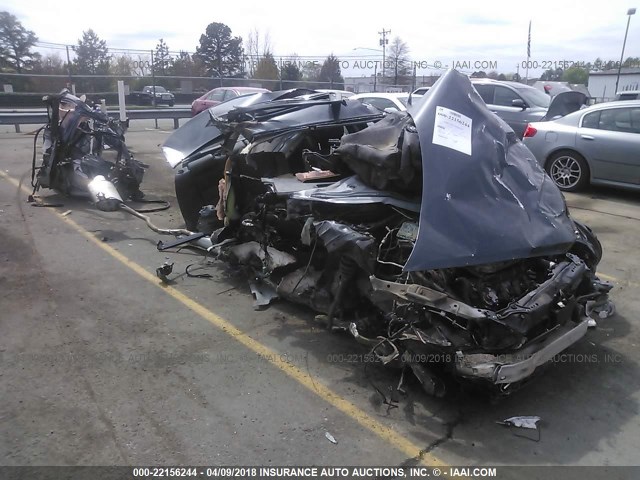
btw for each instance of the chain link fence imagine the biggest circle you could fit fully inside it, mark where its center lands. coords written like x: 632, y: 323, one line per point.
x: 183, y: 75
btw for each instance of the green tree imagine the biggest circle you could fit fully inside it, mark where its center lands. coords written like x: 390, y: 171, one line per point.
x: 184, y: 65
x: 50, y: 64
x: 311, y: 71
x: 92, y: 58
x: 220, y: 53
x: 290, y: 72
x: 398, y: 60
x: 575, y: 75
x: 330, y: 73
x: 162, y: 58
x: 92, y: 55
x: 121, y: 65
x: 552, y: 75
x: 15, y: 45
x: 267, y: 69
x: 631, y: 62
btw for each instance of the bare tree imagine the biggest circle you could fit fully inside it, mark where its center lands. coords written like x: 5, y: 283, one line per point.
x: 258, y: 46
x: 162, y: 57
x: 398, y: 60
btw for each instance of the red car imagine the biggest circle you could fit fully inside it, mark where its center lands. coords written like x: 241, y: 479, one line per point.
x: 219, y: 95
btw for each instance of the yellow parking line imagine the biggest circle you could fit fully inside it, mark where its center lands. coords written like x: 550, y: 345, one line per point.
x: 345, y: 406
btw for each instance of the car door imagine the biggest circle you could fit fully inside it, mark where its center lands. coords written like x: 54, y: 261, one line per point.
x: 503, y: 98
x: 610, y: 139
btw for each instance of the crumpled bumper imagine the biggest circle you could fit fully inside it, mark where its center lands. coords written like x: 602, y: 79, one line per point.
x: 513, y: 367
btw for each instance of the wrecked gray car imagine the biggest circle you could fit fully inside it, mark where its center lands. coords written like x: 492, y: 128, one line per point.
x: 432, y: 236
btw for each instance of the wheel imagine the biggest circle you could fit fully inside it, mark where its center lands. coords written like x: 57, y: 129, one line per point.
x: 568, y: 170
x: 171, y: 103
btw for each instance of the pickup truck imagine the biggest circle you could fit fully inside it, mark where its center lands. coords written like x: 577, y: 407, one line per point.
x: 146, y: 97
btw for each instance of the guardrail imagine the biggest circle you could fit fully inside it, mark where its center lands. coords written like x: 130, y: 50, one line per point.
x: 40, y: 117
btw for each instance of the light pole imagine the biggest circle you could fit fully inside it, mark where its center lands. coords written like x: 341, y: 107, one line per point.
x: 375, y: 66
x: 630, y: 12
x: 384, y: 41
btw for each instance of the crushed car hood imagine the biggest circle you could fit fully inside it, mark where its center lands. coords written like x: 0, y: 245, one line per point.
x: 485, y: 198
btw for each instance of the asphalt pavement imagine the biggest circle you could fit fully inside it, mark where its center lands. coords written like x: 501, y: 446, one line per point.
x: 101, y: 363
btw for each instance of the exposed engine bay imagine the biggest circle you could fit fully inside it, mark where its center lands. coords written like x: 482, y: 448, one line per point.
x: 431, y: 236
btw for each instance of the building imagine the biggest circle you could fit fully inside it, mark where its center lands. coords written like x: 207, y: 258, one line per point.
x: 368, y: 84
x: 553, y: 88
x: 602, y: 85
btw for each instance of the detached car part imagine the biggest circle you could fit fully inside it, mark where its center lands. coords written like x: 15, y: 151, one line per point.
x: 84, y: 154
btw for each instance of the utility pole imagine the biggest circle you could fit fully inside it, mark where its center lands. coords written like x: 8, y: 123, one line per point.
x: 69, y: 66
x: 630, y: 12
x: 375, y: 77
x: 384, y: 41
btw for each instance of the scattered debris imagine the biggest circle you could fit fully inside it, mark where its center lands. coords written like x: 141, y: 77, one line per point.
x: 181, y: 240
x: 330, y: 438
x: 263, y: 294
x: 162, y: 271
x: 68, y: 212
x: 526, y: 422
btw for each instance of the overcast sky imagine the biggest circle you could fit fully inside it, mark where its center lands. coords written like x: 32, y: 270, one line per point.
x: 444, y: 31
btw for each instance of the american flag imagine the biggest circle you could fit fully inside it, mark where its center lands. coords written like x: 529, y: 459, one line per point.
x: 529, y: 42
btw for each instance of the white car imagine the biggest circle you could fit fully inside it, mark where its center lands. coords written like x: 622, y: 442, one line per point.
x: 339, y: 94
x: 389, y: 102
x: 420, y: 92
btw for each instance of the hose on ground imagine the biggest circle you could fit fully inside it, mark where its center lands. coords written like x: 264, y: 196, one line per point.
x: 163, y: 231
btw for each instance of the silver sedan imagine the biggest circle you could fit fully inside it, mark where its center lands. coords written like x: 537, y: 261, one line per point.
x: 598, y: 145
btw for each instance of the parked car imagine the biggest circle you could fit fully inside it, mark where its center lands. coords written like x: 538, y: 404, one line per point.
x: 388, y: 102
x: 599, y: 145
x: 219, y: 95
x: 153, y: 95
x: 628, y: 95
x: 516, y: 103
x: 420, y: 92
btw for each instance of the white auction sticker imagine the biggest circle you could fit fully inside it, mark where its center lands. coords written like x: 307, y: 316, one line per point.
x: 452, y: 130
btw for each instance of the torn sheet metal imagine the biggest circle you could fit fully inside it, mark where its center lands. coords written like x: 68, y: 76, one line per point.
x: 352, y: 190
x: 272, y: 258
x: 492, y: 205
x: 263, y: 294
x: 522, y: 422
x: 527, y: 422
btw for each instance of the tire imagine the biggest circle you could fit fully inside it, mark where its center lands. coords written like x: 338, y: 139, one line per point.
x: 568, y: 170
x: 172, y: 103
